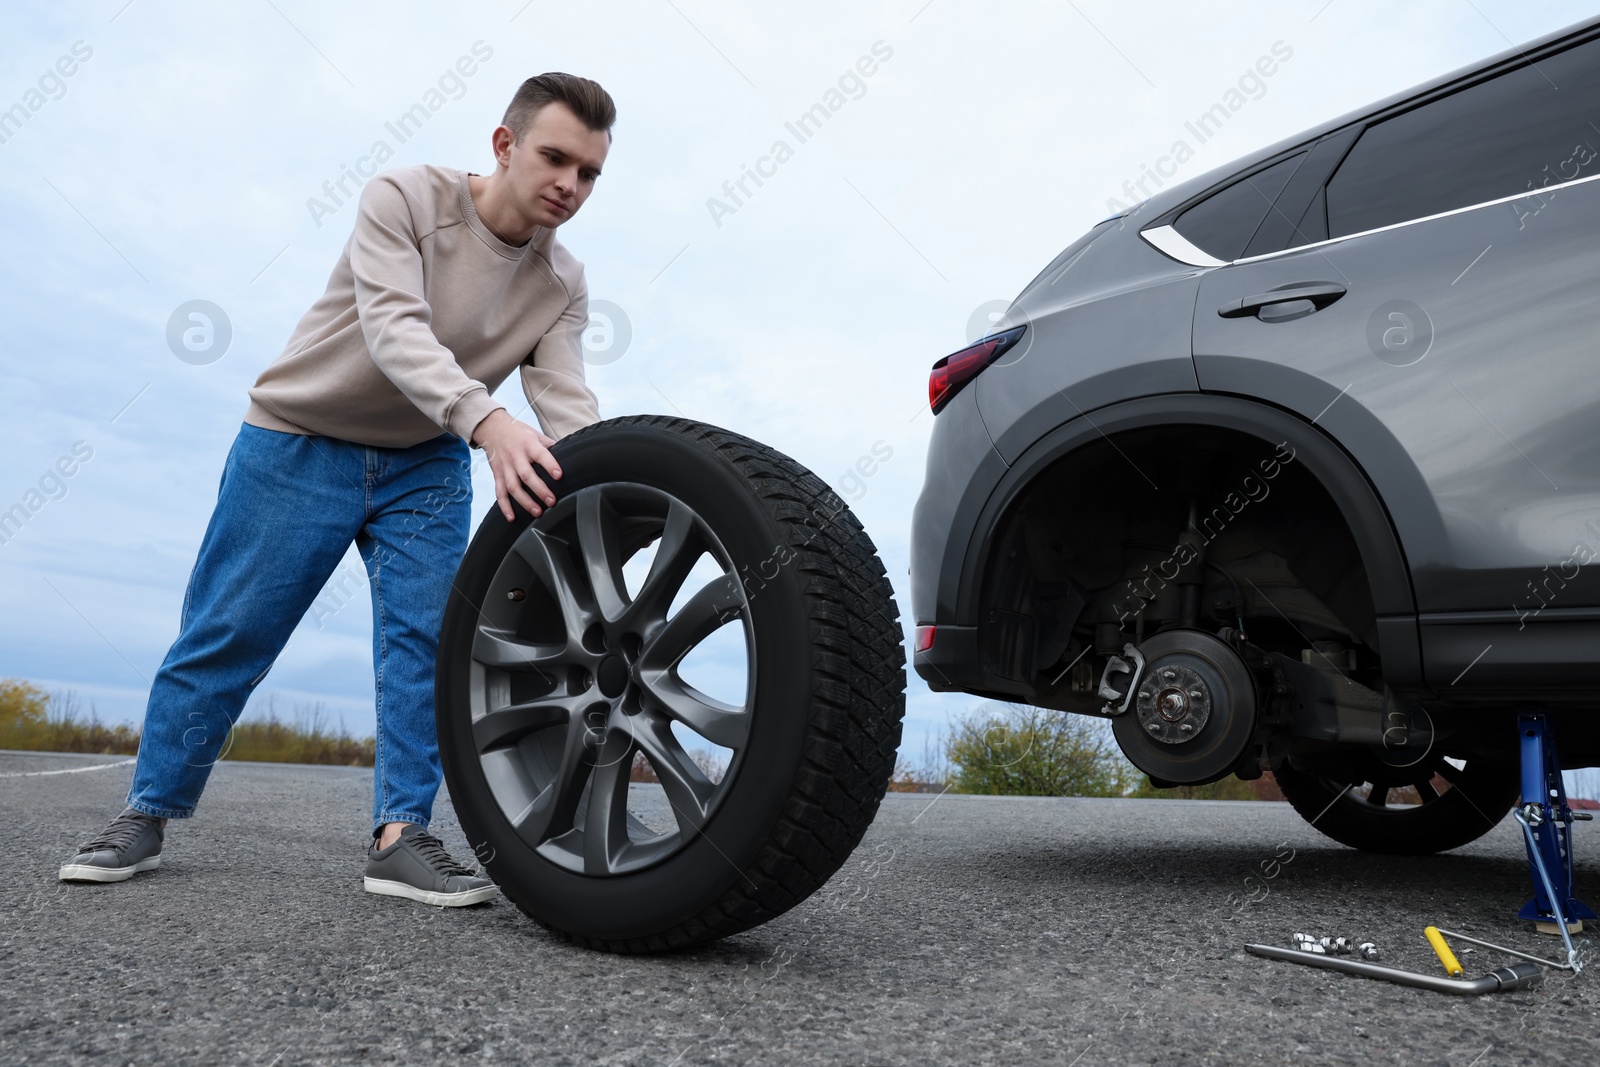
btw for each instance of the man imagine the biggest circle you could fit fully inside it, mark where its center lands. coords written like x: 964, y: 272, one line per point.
x: 449, y: 281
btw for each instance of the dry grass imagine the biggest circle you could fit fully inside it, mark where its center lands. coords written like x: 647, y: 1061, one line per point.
x: 305, y: 738
x: 36, y: 721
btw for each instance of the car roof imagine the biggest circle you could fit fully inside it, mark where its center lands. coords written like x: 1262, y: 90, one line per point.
x: 1173, y: 195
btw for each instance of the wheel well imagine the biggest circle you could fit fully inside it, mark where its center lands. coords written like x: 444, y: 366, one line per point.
x: 1162, y: 526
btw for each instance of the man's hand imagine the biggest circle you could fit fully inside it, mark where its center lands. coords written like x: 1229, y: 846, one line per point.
x: 513, y: 448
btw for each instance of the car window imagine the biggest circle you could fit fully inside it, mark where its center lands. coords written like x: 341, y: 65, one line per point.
x: 1527, y: 128
x: 1223, y: 223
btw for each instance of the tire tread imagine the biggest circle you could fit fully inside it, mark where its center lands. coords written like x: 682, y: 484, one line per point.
x: 857, y: 694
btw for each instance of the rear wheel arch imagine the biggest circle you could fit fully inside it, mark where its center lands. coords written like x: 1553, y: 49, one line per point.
x: 1340, y: 476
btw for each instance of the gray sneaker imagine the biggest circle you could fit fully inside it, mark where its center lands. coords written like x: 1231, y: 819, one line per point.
x: 418, y: 867
x: 130, y: 843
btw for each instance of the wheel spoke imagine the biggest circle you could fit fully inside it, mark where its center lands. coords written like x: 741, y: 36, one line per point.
x: 494, y: 647
x: 679, y: 546
x: 605, y: 819
x: 688, y: 790
x: 597, y: 540
x: 1378, y: 795
x: 719, y: 601
x: 613, y: 667
x: 551, y: 812
x: 721, y: 724
x: 502, y: 726
x: 1449, y: 771
x: 1425, y: 790
x: 551, y: 562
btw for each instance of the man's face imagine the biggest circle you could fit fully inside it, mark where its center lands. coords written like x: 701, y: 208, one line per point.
x: 552, y: 171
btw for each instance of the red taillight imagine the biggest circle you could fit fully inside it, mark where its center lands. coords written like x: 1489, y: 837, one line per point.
x: 959, y: 368
x: 924, y: 638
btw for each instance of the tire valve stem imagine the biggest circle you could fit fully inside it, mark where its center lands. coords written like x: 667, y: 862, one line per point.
x: 515, y: 594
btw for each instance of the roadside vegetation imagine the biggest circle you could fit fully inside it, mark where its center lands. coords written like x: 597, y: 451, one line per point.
x: 1017, y: 750
x: 995, y: 749
x: 34, y: 720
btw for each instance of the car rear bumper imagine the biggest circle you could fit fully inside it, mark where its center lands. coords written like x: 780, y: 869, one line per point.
x: 951, y: 664
x: 963, y: 469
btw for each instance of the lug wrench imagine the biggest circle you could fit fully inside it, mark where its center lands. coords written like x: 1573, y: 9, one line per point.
x: 1516, y: 976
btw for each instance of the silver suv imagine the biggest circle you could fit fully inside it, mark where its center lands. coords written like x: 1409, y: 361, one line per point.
x: 1296, y: 466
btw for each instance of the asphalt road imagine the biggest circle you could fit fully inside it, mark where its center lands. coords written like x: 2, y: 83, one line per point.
x: 965, y: 930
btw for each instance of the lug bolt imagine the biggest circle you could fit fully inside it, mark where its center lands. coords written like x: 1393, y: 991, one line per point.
x: 1341, y: 946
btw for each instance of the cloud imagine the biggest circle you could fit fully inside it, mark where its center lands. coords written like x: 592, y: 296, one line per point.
x: 178, y: 163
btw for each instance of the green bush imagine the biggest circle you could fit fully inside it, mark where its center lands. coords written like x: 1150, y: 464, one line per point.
x: 1019, y: 750
x: 23, y: 710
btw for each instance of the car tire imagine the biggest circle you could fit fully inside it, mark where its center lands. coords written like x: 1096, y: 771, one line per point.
x: 1479, y: 795
x: 812, y: 746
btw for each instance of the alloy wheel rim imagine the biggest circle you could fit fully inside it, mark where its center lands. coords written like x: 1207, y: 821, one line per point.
x: 572, y: 676
x: 1421, y: 778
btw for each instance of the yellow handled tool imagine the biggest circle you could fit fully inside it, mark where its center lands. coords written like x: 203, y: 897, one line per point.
x: 1452, y: 967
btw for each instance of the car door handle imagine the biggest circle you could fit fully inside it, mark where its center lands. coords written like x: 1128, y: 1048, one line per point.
x: 1321, y: 294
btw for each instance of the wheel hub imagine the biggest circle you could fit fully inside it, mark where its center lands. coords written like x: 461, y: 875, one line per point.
x: 1191, y: 717
x: 1173, y: 704
x: 612, y: 677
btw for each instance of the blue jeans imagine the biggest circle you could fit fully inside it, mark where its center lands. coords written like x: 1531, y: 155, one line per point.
x: 288, y: 508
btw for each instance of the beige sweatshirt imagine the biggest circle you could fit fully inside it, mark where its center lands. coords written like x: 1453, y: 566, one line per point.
x: 425, y: 314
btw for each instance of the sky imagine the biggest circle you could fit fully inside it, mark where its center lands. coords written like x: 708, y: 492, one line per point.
x: 184, y: 158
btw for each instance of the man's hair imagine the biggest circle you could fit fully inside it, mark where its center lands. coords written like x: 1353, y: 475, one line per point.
x: 592, y: 104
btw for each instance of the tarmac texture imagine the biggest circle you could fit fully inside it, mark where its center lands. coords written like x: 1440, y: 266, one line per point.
x: 964, y: 930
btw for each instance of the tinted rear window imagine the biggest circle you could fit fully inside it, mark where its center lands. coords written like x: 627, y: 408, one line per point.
x: 1527, y: 128
x: 1223, y: 223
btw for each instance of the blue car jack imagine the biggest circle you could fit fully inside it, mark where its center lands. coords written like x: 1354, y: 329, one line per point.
x: 1547, y: 831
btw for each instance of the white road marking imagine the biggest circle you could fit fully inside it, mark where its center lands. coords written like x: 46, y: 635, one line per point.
x: 69, y: 770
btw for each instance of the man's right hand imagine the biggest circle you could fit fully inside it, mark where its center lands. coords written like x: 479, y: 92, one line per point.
x: 513, y: 448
